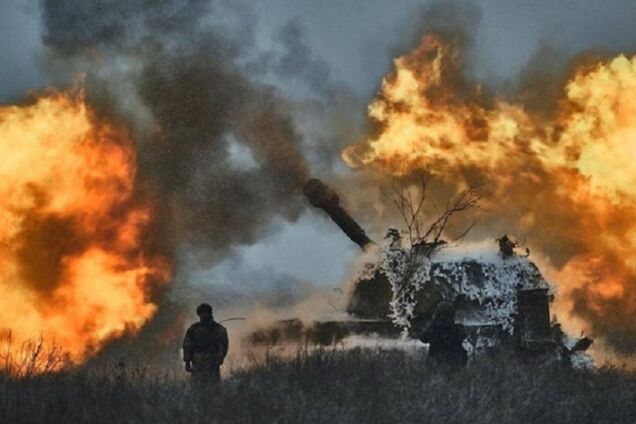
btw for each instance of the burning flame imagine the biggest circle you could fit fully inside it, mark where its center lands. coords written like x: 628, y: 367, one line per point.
x: 73, y: 267
x: 565, y: 180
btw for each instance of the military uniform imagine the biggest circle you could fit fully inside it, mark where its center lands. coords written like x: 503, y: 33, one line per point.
x: 445, y: 344
x: 205, y: 345
x: 445, y: 338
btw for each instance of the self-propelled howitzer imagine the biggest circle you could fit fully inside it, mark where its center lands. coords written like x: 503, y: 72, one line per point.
x: 501, y: 299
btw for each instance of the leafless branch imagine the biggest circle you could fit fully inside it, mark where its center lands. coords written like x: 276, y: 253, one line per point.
x: 424, y: 243
x: 410, y: 208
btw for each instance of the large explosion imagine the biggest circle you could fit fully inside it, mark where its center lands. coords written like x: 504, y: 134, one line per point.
x: 565, y: 180
x: 79, y: 264
x: 73, y: 265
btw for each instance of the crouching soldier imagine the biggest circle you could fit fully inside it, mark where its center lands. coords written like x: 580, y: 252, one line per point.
x: 445, y: 338
x: 205, y: 347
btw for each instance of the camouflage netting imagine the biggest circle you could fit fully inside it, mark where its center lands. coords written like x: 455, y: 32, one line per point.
x: 482, y: 282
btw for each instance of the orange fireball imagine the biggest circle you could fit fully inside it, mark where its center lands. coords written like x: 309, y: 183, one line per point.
x: 564, y: 180
x: 73, y: 270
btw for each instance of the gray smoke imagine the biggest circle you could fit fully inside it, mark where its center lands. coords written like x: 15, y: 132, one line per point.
x: 219, y: 155
x: 172, y: 70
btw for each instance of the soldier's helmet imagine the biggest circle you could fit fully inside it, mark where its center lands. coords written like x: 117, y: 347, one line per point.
x: 204, y: 309
x: 394, y: 238
x: 445, y: 312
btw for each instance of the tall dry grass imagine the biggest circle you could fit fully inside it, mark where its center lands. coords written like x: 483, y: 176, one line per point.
x: 30, y: 357
x: 328, y: 386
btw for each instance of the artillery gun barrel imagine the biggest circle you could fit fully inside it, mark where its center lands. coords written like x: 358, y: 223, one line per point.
x: 322, y: 197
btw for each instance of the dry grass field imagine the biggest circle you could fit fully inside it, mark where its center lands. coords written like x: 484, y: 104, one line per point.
x: 328, y: 386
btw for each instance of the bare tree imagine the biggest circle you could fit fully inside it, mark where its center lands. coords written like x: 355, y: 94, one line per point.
x: 410, y: 206
x: 425, y: 238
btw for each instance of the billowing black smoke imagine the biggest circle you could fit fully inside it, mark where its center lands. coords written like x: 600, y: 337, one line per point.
x: 172, y: 70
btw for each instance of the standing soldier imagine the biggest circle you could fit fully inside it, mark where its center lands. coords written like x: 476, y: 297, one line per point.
x: 204, y: 347
x: 445, y: 338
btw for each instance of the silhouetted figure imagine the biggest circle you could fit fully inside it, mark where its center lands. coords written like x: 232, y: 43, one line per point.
x: 205, y: 347
x: 445, y: 338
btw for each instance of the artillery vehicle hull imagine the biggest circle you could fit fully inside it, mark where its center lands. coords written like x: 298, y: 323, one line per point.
x: 502, y: 300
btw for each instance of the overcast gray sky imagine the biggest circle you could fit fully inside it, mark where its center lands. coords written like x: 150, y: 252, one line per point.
x: 355, y: 38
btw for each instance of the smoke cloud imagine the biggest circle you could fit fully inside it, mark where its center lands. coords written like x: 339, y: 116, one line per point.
x: 218, y: 154
x: 178, y: 63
